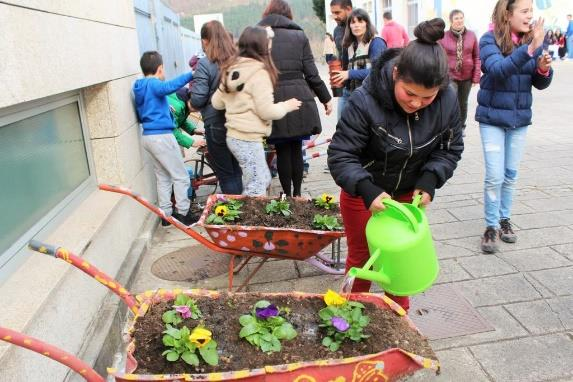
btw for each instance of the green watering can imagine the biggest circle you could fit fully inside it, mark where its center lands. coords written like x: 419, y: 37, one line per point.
x: 402, y: 254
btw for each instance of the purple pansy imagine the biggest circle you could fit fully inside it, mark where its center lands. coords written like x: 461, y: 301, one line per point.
x: 269, y: 311
x: 183, y: 310
x: 221, y: 198
x: 340, y: 324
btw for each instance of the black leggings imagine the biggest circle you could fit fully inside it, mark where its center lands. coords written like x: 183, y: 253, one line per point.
x: 290, y: 166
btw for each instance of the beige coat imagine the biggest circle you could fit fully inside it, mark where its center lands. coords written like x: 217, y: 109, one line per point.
x: 249, y: 103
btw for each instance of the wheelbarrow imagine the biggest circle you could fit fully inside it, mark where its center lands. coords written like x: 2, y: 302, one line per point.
x: 253, y: 241
x: 388, y: 365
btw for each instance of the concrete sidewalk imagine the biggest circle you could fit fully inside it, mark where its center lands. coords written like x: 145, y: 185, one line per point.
x: 525, y: 291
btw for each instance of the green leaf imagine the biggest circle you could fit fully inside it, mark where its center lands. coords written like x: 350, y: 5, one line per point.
x: 173, y: 332
x: 168, y: 340
x: 248, y: 330
x: 247, y: 319
x: 289, y: 330
x: 169, y: 316
x: 275, y: 345
x: 326, y: 341
x: 209, y: 353
x: 334, y: 346
x: 172, y: 356
x: 356, y: 314
x: 261, y: 304
x: 190, y: 358
x: 266, y: 346
x: 364, y: 321
x: 185, y: 332
x: 325, y: 314
x: 181, y: 299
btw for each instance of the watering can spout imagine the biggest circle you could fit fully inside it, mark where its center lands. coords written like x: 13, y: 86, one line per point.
x: 378, y: 277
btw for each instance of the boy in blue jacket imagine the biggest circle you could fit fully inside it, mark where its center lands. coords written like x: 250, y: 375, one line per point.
x: 158, y: 139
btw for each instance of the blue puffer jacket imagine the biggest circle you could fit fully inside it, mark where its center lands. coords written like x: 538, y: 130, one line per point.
x: 504, y: 98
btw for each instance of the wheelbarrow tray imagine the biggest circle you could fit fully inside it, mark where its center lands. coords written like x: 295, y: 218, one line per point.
x: 291, y: 243
x: 388, y: 365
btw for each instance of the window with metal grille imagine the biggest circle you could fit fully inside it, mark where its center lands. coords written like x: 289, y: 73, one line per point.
x: 413, y: 8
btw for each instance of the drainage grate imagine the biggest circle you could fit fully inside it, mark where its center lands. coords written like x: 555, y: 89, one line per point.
x: 190, y: 264
x: 442, y: 312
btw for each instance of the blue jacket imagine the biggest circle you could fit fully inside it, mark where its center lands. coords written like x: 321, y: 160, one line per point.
x: 151, y: 102
x: 505, y: 98
x: 569, y: 31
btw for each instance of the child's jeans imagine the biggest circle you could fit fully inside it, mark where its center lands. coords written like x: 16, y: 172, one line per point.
x: 251, y: 158
x: 170, y: 171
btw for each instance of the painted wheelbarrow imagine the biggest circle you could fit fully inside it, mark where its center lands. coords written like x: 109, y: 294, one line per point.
x: 389, y: 365
x: 248, y: 242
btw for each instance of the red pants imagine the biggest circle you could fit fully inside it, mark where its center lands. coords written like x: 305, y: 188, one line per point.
x: 355, y: 216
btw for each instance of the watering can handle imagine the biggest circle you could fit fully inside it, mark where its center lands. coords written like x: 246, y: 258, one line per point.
x: 403, y: 210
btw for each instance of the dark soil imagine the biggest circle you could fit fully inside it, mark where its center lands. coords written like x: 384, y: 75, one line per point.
x: 303, y: 211
x: 221, y: 316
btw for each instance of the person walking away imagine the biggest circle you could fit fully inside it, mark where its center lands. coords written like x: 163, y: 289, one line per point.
x: 219, y: 48
x: 298, y: 77
x: 462, y: 49
x: 158, y: 139
x: 340, y: 10
x: 246, y: 94
x: 512, y: 62
x: 329, y: 48
x: 393, y: 33
x: 400, y: 136
x: 361, y: 47
x: 569, y: 37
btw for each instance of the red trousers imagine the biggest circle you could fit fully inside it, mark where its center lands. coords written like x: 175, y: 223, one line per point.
x: 355, y: 216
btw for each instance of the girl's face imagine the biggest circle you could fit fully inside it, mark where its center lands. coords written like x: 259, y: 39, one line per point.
x: 458, y: 21
x: 521, y: 15
x: 358, y: 28
x: 412, y: 97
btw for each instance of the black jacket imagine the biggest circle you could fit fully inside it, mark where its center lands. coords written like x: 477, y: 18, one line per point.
x: 377, y: 147
x: 205, y: 82
x: 298, y: 78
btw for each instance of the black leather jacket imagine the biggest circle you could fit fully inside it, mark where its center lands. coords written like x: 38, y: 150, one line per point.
x: 377, y: 147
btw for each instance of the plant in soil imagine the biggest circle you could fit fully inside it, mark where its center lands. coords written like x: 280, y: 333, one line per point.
x: 183, y: 307
x: 326, y: 222
x: 275, y: 207
x: 325, y: 201
x: 182, y: 343
x: 342, y: 320
x: 265, y: 327
x: 225, y: 210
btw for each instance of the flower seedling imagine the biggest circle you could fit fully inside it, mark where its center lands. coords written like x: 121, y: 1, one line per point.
x: 182, y: 344
x: 225, y: 210
x: 325, y: 201
x: 342, y: 320
x: 278, y: 207
x: 265, y: 327
x: 183, y: 307
x: 326, y: 222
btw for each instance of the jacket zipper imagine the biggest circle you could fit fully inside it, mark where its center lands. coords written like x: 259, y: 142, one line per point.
x: 409, y: 155
x: 427, y: 143
x: 397, y: 139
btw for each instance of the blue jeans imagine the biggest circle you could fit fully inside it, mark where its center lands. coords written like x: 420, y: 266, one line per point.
x: 342, y: 102
x: 569, y: 44
x: 502, y: 151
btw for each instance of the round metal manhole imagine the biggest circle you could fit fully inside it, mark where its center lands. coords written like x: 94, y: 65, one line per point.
x: 190, y: 264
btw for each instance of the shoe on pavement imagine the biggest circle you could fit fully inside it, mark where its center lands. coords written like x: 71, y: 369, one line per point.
x: 188, y: 219
x: 506, y: 233
x: 165, y: 223
x: 488, y: 240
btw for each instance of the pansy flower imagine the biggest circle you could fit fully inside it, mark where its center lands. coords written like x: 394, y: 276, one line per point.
x: 221, y: 211
x: 221, y: 198
x: 333, y: 298
x: 184, y: 310
x: 340, y: 324
x: 269, y: 311
x: 327, y: 198
x: 200, y: 336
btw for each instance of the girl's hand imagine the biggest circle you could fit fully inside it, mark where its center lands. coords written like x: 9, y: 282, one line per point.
x: 377, y: 204
x: 538, y: 36
x: 544, y: 62
x: 293, y: 104
x: 328, y: 107
x: 426, y: 198
x: 339, y: 77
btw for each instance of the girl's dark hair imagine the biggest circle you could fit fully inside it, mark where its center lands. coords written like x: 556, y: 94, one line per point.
x: 220, y: 47
x: 360, y: 15
x: 424, y: 61
x: 253, y: 43
x: 455, y: 12
x: 278, y: 7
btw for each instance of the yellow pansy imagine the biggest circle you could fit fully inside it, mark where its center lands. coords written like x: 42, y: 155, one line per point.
x: 333, y: 298
x: 221, y: 211
x: 200, y: 336
x: 327, y: 198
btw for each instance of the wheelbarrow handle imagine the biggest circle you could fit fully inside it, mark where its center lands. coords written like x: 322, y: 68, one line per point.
x: 52, y: 352
x: 86, y: 267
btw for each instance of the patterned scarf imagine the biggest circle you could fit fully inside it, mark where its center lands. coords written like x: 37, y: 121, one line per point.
x: 459, y: 47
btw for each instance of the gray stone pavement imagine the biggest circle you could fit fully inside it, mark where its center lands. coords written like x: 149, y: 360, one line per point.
x: 525, y: 291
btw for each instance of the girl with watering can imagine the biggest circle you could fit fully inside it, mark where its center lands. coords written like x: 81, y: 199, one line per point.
x: 400, y: 136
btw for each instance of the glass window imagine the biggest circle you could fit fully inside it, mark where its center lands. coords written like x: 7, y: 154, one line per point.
x: 387, y: 5
x: 43, y: 160
x: 412, y: 16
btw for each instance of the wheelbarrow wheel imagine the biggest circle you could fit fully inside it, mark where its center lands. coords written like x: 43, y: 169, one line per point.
x: 203, y: 181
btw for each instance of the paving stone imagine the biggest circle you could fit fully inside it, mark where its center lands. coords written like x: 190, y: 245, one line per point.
x: 543, y: 219
x: 280, y: 286
x: 456, y: 230
x: 534, y: 259
x: 565, y: 249
x: 460, y: 203
x: 436, y: 216
x: 559, y: 281
x: 534, y: 238
x: 527, y: 359
x: 563, y: 306
x: 538, y: 317
x: 447, y: 251
x: 497, y: 290
x: 456, y: 365
x: 318, y: 284
x: 505, y: 325
x: 450, y: 271
x: 540, y: 288
x: 550, y: 204
x: 529, y: 193
x: 444, y: 199
x: 467, y: 213
x: 485, y: 266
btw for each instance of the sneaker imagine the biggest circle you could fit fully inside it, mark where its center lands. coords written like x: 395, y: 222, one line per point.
x: 188, y: 219
x: 488, y: 240
x: 165, y: 223
x: 506, y: 233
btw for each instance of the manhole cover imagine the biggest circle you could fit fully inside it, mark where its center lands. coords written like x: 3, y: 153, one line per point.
x: 190, y: 264
x: 441, y: 312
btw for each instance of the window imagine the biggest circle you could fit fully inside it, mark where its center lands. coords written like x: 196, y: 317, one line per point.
x: 412, y: 16
x: 43, y: 164
x: 386, y: 5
